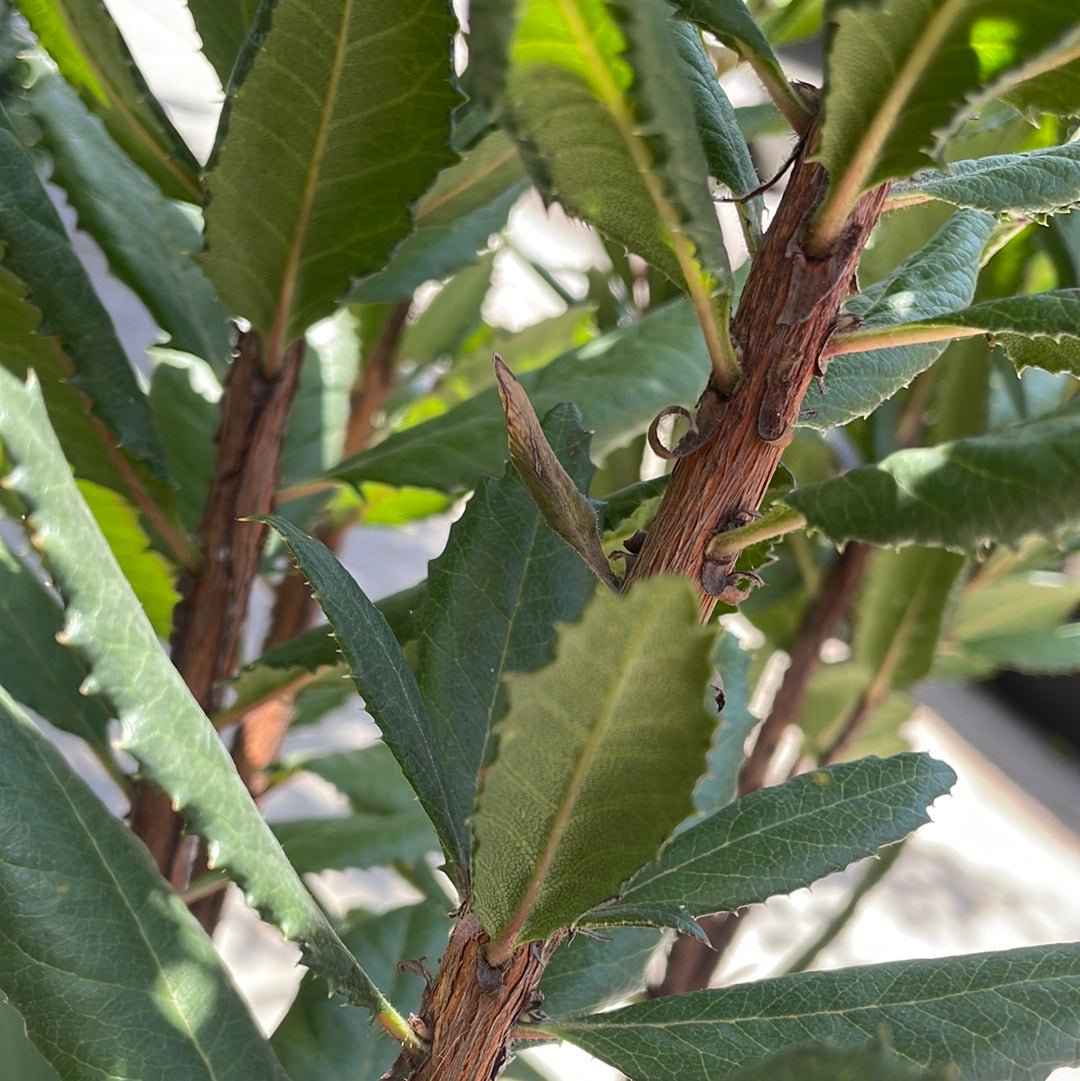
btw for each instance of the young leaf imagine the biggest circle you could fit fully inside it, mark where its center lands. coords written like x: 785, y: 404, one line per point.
x: 596, y: 97
x: 161, y: 725
x: 940, y: 277
x: 494, y: 597
x: 595, y: 763
x: 619, y: 382
x: 780, y: 839
x: 93, y: 56
x: 341, y: 123
x: 148, y: 240
x: 39, y: 253
x: 109, y: 969
x: 385, y: 681
x: 899, y: 76
x: 1043, y: 181
x: 999, y: 487
x: 558, y: 498
x: 994, y: 1016
x: 223, y: 26
x: 319, y: 1041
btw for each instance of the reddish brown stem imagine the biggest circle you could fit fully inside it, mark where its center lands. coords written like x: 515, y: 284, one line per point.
x: 471, y: 1011
x: 209, y: 618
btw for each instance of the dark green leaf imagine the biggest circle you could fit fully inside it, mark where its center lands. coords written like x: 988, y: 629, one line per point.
x: 1044, y: 181
x: 825, y: 1062
x: 940, y: 277
x: 34, y: 667
x: 93, y: 56
x: 318, y: 1040
x: 454, y: 220
x: 336, y: 155
x: 590, y: 973
x: 370, y: 779
x: 998, y: 487
x: 781, y: 838
x: 732, y: 24
x: 110, y: 971
x: 619, y: 382
x: 596, y: 760
x: 494, y: 597
x: 358, y: 840
x: 223, y: 26
x: 725, y: 147
x: 148, y: 240
x: 39, y: 253
x: 1054, y: 92
x: 161, y: 725
x: 900, y: 77
x: 1007, y: 1016
x: 384, y: 679
x: 22, y: 350
x: 21, y: 1058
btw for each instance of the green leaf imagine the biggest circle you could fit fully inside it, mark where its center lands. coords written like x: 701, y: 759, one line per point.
x: 596, y: 97
x: 185, y: 397
x: 318, y: 1040
x: 223, y: 26
x: 358, y: 840
x: 899, y: 77
x: 780, y: 839
x: 996, y: 1016
x: 940, y: 277
x: 725, y: 148
x: 369, y: 778
x: 112, y: 974
x: 385, y: 681
x: 589, y: 973
x: 1053, y: 651
x: 494, y: 597
x: 733, y: 25
x: 720, y: 783
x: 20, y: 1056
x: 875, y: 1061
x: 1043, y: 181
x: 999, y: 487
x: 22, y: 350
x: 39, y: 253
x: 93, y: 56
x: 150, y: 576
x: 595, y: 762
x: 899, y: 613
x: 455, y: 219
x: 1054, y: 92
x: 161, y: 725
x: 1039, y: 331
x: 34, y: 667
x: 619, y: 382
x: 148, y: 240
x: 336, y: 165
